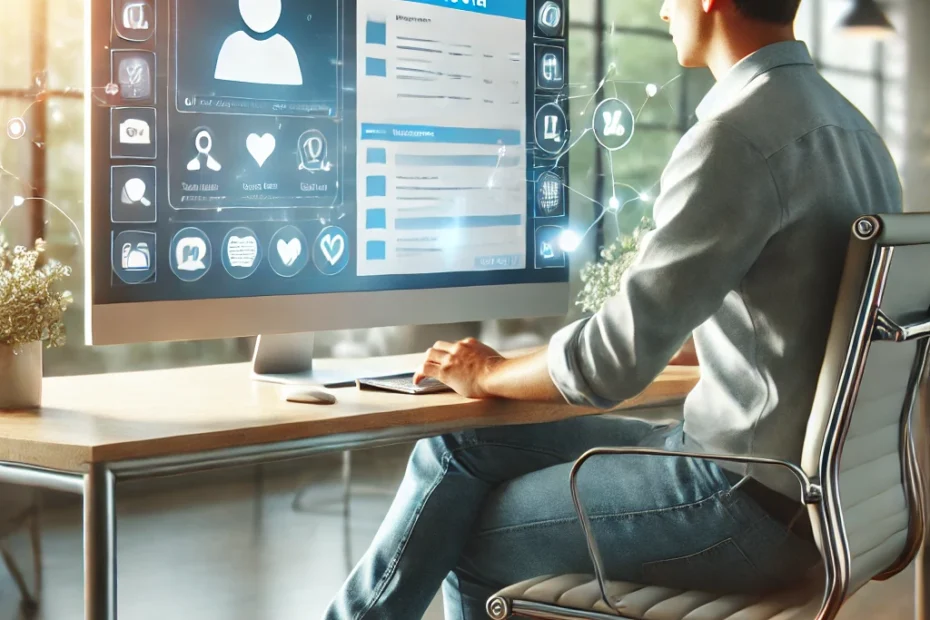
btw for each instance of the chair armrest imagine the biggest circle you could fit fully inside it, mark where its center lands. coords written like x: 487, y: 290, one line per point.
x: 916, y: 327
x: 811, y: 492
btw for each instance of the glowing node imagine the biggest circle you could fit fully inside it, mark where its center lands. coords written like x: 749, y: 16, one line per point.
x: 652, y: 90
x: 18, y: 201
x: 111, y: 89
x: 645, y: 197
x: 569, y: 241
x: 613, y: 205
x: 16, y: 128
x: 58, y: 117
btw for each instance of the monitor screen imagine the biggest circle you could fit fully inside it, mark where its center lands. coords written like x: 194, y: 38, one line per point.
x: 289, y: 147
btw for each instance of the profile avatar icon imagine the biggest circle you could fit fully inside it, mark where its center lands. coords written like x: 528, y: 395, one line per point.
x: 244, y: 58
x: 203, y: 142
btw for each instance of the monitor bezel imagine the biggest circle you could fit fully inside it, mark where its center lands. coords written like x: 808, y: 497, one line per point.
x: 207, y: 319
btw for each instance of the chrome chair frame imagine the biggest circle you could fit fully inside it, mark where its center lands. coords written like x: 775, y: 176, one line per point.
x: 822, y: 492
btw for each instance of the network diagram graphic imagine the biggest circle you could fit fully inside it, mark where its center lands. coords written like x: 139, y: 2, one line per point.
x: 611, y: 122
x: 17, y: 129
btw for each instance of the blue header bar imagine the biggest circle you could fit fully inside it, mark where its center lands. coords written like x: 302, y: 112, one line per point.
x: 444, y: 135
x: 514, y: 9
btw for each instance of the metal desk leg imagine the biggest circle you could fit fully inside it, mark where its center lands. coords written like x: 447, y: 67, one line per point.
x: 922, y: 584
x: 99, y: 545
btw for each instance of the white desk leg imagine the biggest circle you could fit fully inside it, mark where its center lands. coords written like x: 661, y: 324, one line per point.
x: 99, y: 545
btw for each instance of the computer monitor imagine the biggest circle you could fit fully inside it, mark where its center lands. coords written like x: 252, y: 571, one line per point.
x: 286, y: 166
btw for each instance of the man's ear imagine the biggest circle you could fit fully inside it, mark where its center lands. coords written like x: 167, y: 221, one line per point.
x: 709, y: 5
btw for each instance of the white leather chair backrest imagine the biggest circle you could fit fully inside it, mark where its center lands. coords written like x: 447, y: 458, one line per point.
x: 874, y: 498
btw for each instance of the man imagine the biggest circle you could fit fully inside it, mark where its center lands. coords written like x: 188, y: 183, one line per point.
x: 752, y: 226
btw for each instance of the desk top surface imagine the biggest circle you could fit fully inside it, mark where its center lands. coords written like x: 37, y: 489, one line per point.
x: 115, y: 417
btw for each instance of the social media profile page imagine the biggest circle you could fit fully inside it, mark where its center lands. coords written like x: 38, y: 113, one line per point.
x: 255, y: 113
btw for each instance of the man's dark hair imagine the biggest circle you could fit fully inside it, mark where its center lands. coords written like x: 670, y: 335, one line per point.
x: 772, y: 11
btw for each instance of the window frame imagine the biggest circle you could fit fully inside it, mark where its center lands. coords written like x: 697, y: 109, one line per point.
x: 38, y: 97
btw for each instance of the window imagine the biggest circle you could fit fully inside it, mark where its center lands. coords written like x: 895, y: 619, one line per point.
x: 41, y: 81
x: 625, y: 44
x: 869, y: 73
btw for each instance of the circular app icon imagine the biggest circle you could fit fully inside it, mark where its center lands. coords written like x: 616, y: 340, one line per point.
x: 133, y: 256
x: 191, y: 254
x: 613, y: 124
x: 549, y: 18
x: 549, y: 194
x: 241, y: 252
x: 551, y: 129
x: 288, y: 253
x: 331, y: 250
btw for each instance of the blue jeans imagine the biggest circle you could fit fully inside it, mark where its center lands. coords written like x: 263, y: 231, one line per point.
x: 482, y: 509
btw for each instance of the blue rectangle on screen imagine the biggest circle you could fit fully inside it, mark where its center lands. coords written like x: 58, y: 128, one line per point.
x: 444, y: 135
x: 376, y: 67
x: 515, y: 9
x: 376, y: 156
x: 376, y: 186
x: 376, y: 250
x: 376, y: 33
x: 376, y: 218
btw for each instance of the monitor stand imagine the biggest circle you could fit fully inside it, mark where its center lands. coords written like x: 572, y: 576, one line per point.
x: 288, y: 359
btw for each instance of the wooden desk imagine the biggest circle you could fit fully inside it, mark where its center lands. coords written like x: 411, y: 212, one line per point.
x: 96, y: 430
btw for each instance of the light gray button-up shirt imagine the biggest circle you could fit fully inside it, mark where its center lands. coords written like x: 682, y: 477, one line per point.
x: 753, y: 223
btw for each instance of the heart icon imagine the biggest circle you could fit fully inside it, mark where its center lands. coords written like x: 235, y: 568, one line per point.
x: 332, y: 248
x: 290, y: 251
x: 260, y: 147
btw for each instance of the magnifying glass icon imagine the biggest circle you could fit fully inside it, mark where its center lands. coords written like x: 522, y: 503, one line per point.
x: 203, y: 142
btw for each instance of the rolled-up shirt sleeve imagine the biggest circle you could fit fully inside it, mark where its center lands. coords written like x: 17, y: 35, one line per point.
x: 718, y: 208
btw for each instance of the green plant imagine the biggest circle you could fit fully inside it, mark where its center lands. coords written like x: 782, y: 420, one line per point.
x: 30, y: 308
x: 601, y: 279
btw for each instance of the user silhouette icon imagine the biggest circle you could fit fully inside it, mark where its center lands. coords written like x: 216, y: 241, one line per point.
x: 244, y: 58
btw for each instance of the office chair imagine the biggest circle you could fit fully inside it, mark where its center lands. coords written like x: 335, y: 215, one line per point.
x: 19, y: 506
x: 859, y: 474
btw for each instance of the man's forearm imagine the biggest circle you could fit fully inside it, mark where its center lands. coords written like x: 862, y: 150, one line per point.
x: 525, y: 377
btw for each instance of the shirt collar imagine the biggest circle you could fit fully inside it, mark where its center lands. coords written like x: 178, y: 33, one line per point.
x: 747, y: 70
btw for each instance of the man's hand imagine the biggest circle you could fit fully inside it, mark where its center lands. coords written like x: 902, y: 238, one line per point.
x: 464, y: 366
x: 475, y: 370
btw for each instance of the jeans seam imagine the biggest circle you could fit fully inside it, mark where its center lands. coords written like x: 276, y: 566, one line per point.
x: 389, y: 572
x: 620, y: 516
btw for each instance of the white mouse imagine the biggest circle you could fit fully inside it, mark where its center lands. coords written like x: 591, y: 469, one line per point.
x: 309, y: 396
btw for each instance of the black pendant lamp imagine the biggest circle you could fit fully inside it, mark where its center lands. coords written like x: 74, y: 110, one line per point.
x: 866, y: 19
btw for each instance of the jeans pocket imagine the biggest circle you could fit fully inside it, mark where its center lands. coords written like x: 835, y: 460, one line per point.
x: 722, y: 567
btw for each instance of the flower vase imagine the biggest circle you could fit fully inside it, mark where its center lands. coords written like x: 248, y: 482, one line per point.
x: 21, y: 377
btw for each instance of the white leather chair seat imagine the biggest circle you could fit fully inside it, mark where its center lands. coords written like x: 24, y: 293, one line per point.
x: 581, y: 593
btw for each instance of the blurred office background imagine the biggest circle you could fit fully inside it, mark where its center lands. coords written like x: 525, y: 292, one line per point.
x: 237, y: 536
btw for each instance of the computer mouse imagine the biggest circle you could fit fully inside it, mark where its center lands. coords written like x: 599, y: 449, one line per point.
x: 309, y: 396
